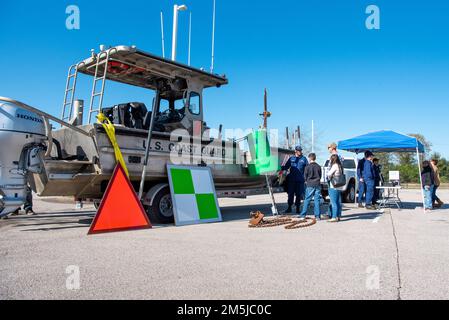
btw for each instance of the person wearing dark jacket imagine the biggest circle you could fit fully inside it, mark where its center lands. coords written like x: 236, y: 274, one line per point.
x: 377, y: 179
x: 312, y: 176
x: 295, y: 179
x: 362, y: 186
x: 428, y: 182
x: 369, y: 176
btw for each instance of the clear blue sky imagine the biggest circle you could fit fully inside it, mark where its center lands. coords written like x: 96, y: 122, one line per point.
x: 316, y: 58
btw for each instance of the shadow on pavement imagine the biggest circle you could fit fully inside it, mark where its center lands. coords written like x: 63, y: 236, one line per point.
x: 60, y: 214
x: 360, y: 216
x: 443, y: 207
x: 71, y: 220
x: 409, y: 205
x: 233, y: 213
x: 56, y: 221
x: 242, y: 212
x: 55, y: 228
x: 50, y: 223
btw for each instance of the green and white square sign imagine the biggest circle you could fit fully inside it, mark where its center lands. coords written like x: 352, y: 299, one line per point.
x: 193, y: 195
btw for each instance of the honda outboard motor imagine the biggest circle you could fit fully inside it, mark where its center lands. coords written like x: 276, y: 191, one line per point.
x: 22, y: 138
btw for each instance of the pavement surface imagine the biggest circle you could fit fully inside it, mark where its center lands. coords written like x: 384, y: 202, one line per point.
x: 368, y: 255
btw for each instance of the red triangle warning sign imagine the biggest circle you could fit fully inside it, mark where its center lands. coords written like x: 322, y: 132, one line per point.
x: 120, y: 209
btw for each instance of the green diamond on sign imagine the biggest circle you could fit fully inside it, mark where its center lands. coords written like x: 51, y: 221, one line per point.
x: 263, y: 161
x: 193, y: 195
x: 182, y: 181
x: 207, y: 206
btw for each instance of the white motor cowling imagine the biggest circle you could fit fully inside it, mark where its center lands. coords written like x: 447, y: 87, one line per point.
x: 22, y: 134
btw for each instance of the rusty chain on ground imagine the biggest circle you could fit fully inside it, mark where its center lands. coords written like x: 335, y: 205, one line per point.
x: 258, y: 221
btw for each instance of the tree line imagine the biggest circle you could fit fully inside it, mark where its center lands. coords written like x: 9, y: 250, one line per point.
x: 407, y: 163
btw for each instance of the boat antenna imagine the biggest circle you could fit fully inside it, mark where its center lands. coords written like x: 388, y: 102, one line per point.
x: 213, y: 39
x: 190, y: 36
x: 162, y: 34
x: 266, y: 114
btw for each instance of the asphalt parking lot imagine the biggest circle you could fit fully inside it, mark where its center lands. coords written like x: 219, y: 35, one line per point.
x: 398, y: 254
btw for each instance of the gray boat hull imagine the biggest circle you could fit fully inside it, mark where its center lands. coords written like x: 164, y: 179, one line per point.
x: 82, y: 166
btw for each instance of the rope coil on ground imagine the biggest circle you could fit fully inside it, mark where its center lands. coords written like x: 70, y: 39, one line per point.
x: 301, y: 224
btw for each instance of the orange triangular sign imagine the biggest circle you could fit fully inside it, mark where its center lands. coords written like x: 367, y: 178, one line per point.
x: 120, y: 209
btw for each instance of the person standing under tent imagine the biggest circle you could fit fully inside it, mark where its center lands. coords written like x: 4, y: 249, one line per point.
x: 437, y: 203
x: 377, y: 179
x: 335, y: 171
x: 312, y: 175
x: 369, y: 179
x: 295, y: 179
x: 362, y: 186
x: 428, y: 182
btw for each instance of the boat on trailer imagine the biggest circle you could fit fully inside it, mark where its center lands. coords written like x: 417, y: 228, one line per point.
x: 80, y: 162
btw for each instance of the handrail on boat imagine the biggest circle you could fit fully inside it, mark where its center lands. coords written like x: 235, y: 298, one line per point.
x: 45, y: 116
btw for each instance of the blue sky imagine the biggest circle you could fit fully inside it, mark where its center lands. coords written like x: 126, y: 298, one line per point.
x: 317, y: 60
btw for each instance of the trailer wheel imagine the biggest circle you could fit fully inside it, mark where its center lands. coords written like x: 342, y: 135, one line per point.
x: 349, y: 195
x: 161, y: 210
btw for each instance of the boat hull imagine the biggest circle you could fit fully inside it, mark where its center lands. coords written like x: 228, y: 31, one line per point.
x: 87, y: 163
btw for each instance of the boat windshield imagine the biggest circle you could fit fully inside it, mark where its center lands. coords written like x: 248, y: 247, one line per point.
x: 171, y: 110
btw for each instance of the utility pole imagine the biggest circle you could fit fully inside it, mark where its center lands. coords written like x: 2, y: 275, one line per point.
x: 313, y: 136
x: 298, y: 130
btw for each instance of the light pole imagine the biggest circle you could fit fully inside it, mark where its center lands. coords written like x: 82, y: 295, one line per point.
x: 176, y: 9
x: 190, y: 37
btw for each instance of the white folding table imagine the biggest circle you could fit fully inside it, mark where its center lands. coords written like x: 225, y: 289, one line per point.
x: 390, y: 196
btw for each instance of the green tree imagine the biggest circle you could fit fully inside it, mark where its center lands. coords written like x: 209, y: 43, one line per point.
x: 409, y: 158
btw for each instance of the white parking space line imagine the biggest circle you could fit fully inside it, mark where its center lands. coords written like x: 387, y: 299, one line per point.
x: 376, y: 220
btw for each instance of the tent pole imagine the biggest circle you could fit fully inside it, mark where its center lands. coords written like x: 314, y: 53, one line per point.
x: 356, y: 187
x: 420, y: 179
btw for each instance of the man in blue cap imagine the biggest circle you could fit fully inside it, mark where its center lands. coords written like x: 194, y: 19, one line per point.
x: 295, y: 179
x: 369, y: 176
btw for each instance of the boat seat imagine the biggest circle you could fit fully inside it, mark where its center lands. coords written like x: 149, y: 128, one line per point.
x: 130, y: 115
x: 156, y: 126
x: 138, y: 113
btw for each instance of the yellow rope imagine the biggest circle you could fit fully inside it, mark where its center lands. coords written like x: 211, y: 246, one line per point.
x: 110, y: 131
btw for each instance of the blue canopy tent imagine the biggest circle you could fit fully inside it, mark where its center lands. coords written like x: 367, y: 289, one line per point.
x: 384, y: 141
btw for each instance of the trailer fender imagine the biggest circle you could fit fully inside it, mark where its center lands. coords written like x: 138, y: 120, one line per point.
x: 149, y: 196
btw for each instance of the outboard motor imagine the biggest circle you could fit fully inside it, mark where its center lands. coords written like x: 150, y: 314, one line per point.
x: 22, y: 138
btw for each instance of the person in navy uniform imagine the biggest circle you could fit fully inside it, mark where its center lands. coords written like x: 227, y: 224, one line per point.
x: 295, y: 179
x: 362, y: 186
x: 377, y: 179
x: 369, y: 177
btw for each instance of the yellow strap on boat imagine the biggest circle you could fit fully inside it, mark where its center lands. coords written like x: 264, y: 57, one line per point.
x: 110, y: 131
